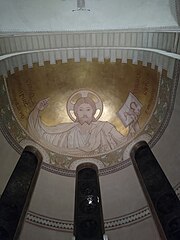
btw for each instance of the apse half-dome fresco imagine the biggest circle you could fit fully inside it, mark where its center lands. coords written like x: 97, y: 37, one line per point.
x: 79, y: 111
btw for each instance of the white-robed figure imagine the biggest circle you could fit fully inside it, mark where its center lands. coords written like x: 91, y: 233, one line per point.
x: 85, y: 135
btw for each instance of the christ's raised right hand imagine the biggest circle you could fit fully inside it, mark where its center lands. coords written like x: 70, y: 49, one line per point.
x: 42, y: 104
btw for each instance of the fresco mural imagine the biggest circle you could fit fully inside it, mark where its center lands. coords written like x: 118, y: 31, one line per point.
x: 86, y: 134
x: 82, y: 110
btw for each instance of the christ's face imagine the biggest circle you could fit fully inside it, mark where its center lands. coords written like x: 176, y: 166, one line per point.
x: 84, y: 113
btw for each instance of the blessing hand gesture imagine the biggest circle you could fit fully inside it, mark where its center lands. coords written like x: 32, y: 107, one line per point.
x: 42, y: 104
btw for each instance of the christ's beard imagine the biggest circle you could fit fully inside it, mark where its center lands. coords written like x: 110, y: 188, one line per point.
x: 84, y: 120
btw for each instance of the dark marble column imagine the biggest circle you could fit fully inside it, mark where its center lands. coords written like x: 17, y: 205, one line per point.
x: 88, y: 216
x: 163, y: 201
x: 17, y: 193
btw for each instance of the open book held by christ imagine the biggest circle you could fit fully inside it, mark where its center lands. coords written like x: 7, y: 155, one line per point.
x: 131, y: 107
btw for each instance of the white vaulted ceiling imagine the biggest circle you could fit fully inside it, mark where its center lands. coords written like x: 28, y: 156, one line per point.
x: 58, y: 15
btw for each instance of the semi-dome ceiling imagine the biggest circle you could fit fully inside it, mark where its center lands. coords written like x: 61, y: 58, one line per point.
x: 76, y: 111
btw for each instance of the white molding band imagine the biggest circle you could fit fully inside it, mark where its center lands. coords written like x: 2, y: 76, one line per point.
x: 34, y: 41
x: 161, y: 59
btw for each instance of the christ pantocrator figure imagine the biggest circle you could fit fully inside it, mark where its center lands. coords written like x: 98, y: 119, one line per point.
x: 85, y: 135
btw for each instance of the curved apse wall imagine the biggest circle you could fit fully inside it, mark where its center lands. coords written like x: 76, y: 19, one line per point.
x: 152, y: 61
x: 18, y: 63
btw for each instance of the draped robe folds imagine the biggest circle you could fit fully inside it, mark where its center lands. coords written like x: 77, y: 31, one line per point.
x: 68, y: 138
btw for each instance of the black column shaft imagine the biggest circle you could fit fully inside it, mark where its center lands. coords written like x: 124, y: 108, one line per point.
x: 163, y: 201
x: 17, y: 193
x: 88, y: 217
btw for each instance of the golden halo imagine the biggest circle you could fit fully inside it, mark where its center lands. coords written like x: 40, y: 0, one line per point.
x: 84, y: 93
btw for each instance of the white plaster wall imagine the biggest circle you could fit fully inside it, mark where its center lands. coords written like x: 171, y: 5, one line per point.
x: 121, y: 193
x: 8, y: 160
x: 32, y: 232
x: 54, y: 196
x: 145, y: 230
x: 57, y: 15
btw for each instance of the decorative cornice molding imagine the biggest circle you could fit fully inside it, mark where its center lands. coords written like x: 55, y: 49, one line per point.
x: 165, y: 123
x: 71, y: 173
x: 113, y: 223
x: 41, y: 41
x: 63, y: 225
x: 15, y: 32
